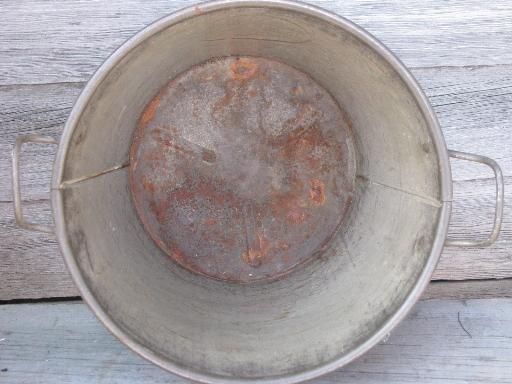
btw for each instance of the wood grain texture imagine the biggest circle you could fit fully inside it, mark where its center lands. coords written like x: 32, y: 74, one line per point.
x: 63, y: 41
x: 31, y: 265
x: 441, y: 341
x: 41, y: 109
x: 459, y: 51
x: 468, y: 289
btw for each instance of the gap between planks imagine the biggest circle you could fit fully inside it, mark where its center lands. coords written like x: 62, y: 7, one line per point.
x: 440, y: 341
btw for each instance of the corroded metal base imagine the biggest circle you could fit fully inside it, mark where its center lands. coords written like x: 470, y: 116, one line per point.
x: 242, y: 168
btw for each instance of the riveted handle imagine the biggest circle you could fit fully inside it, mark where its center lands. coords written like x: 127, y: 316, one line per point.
x: 498, y: 212
x: 16, y: 190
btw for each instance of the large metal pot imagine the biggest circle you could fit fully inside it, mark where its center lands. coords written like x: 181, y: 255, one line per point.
x: 325, y: 313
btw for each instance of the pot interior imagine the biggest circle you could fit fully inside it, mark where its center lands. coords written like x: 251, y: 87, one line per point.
x: 242, y: 169
x: 321, y: 311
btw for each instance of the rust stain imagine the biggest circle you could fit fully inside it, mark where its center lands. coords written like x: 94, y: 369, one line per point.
x: 182, y: 259
x: 151, y: 158
x: 263, y: 242
x: 286, y: 258
x: 160, y: 209
x: 197, y: 179
x: 305, y: 118
x: 252, y: 93
x: 297, y: 91
x: 253, y: 257
x: 228, y: 242
x: 256, y: 255
x: 305, y: 143
x: 243, y: 69
x: 229, y: 93
x: 182, y: 146
x: 150, y: 110
x: 282, y: 245
x: 212, y: 193
x: 197, y: 194
x: 290, y: 205
x: 148, y: 185
x: 317, y: 192
x: 177, y: 148
x: 208, y: 156
x: 296, y: 215
x: 182, y: 194
x: 210, y: 221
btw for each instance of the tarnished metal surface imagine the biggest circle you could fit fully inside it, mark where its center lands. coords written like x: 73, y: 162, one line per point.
x: 369, y: 279
x: 242, y: 168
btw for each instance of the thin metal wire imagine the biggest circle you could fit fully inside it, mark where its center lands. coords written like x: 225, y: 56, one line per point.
x: 498, y: 213
x: 16, y: 189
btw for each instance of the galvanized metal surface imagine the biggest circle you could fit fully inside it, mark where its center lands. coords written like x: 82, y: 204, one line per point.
x: 498, y: 211
x: 242, y: 169
x: 16, y: 188
x: 341, y: 304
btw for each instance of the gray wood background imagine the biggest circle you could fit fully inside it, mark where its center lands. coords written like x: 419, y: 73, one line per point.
x: 460, y: 52
x: 441, y: 341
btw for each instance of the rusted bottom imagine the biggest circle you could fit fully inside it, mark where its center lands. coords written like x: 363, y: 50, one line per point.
x: 242, y: 168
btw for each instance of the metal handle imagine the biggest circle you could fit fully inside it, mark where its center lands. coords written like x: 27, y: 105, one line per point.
x: 498, y: 213
x: 18, y: 212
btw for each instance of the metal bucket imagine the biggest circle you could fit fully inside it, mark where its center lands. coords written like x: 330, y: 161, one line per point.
x: 295, y: 320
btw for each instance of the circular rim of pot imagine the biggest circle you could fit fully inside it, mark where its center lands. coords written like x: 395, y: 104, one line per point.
x: 190, y: 12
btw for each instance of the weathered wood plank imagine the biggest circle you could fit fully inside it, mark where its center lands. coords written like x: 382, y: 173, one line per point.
x: 42, y: 42
x: 472, y: 217
x: 444, y: 341
x: 468, y: 289
x: 474, y: 107
x: 41, y: 109
x: 31, y: 265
